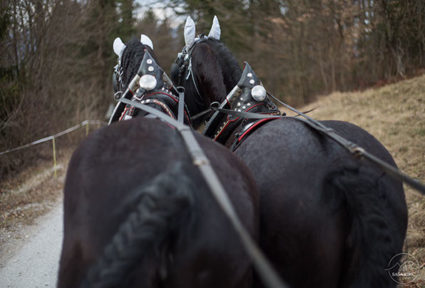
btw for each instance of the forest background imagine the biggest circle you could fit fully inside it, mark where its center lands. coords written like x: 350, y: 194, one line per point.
x: 56, y: 57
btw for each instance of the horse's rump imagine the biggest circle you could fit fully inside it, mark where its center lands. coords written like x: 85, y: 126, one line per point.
x: 330, y: 207
x: 142, y: 165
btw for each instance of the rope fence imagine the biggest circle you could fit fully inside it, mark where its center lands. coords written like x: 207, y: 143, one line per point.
x: 53, y: 138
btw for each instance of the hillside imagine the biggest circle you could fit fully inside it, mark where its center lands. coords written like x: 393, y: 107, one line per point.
x: 395, y: 115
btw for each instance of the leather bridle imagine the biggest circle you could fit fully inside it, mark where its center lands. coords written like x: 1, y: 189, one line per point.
x: 117, y: 81
x: 160, y: 96
x: 184, y: 63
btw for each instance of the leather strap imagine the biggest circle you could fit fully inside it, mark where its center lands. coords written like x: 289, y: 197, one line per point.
x: 180, y: 114
x: 247, y: 115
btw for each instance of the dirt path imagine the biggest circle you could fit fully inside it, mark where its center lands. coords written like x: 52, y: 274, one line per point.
x: 31, y: 226
x: 35, y: 263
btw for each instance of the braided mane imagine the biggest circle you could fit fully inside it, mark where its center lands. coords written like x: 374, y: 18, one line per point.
x: 131, y: 58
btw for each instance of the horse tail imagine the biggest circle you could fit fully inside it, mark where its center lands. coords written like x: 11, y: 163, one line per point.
x: 369, y: 244
x: 161, y: 206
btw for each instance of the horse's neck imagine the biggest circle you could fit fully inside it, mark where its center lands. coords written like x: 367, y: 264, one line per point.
x: 215, y: 78
x: 230, y: 77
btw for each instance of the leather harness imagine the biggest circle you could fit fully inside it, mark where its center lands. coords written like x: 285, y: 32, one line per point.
x: 232, y: 130
x: 160, y: 97
x: 224, y: 128
x: 184, y: 63
x: 162, y: 100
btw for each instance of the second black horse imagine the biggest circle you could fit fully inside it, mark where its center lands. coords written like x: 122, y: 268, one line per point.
x: 326, y: 218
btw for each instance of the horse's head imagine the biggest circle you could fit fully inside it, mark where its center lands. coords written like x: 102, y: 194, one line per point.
x: 139, y: 74
x: 129, y: 58
x: 205, y: 68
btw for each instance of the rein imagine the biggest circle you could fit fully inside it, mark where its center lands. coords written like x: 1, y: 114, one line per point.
x: 268, y: 274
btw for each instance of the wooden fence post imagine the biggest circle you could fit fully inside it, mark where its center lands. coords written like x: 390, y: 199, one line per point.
x: 54, y: 156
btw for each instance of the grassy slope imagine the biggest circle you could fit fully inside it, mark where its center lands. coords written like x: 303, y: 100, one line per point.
x: 395, y: 115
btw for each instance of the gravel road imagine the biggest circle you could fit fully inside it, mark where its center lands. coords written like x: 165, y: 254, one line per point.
x: 35, y: 263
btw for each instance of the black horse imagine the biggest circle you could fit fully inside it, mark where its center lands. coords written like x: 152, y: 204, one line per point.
x: 137, y: 212
x: 326, y: 218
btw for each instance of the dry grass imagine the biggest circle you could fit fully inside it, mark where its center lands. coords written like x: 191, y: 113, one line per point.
x: 30, y: 194
x: 34, y: 190
x: 395, y: 115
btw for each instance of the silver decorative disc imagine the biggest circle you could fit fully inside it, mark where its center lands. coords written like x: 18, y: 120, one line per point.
x: 249, y: 75
x: 252, y: 81
x: 258, y: 93
x: 149, y: 61
x: 148, y: 82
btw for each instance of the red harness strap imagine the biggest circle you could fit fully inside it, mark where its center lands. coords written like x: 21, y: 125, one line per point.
x: 253, y: 127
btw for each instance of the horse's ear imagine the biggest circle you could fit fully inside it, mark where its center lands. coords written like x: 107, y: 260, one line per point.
x: 119, y: 46
x: 145, y: 40
x: 189, y: 32
x: 215, y: 31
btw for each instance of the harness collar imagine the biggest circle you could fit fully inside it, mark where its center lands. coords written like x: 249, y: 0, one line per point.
x: 223, y: 128
x: 161, y: 99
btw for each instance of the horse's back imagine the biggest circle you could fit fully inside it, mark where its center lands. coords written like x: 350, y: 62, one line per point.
x: 103, y: 184
x: 304, y: 220
x: 298, y: 152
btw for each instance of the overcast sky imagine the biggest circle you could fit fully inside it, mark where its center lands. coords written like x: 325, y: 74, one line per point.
x: 162, y: 12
